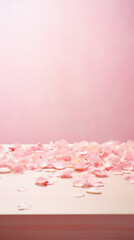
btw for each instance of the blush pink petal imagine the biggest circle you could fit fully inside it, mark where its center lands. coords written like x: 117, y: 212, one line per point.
x: 12, y: 148
x: 51, y: 181
x: 1, y: 148
x: 130, y: 179
x: 116, y: 170
x: 98, y: 184
x: 65, y: 158
x: 21, y: 189
x: 113, y: 159
x: 127, y: 166
x: 100, y: 173
x: 59, y: 164
x: 5, y: 170
x: 18, y: 168
x: 66, y: 174
x: 94, y: 190
x: 80, y: 166
x: 23, y: 206
x: 41, y: 181
x: 44, y: 164
x: 79, y: 183
x: 78, y: 195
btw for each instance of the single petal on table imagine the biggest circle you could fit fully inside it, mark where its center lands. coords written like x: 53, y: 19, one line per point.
x: 100, y: 173
x: 94, y: 190
x: 78, y: 195
x: 116, y: 171
x: 127, y: 166
x: 59, y: 164
x: 79, y: 183
x: 95, y: 184
x: 18, y: 168
x: 5, y: 170
x: 66, y: 174
x: 21, y: 189
x: 23, y: 206
x: 130, y: 179
x: 41, y: 181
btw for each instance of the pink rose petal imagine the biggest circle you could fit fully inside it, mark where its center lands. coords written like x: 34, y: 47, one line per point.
x: 113, y: 159
x: 1, y: 148
x: 44, y: 164
x: 5, y: 170
x: 12, y: 148
x: 100, y: 173
x: 130, y: 179
x: 59, y: 164
x: 86, y: 181
x: 116, y: 170
x: 51, y: 181
x: 41, y: 181
x: 80, y: 166
x: 127, y: 166
x: 79, y: 183
x: 98, y: 184
x: 78, y: 195
x: 18, y: 168
x: 21, y: 189
x: 23, y: 206
x: 94, y: 190
x: 66, y: 174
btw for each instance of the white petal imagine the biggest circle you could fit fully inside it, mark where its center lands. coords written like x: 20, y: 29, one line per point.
x: 5, y: 170
x: 23, y: 206
x: 21, y: 189
x: 78, y: 195
x: 94, y: 190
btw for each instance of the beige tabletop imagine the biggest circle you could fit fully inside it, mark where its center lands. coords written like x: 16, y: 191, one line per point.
x: 117, y: 196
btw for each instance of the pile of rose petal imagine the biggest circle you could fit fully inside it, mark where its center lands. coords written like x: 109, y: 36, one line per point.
x: 63, y: 159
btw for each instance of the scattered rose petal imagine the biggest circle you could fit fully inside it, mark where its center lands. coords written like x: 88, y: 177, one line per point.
x: 98, y: 184
x: 59, y: 164
x: 79, y: 183
x: 12, y: 148
x: 116, y: 171
x: 86, y: 181
x: 1, y: 148
x: 44, y: 164
x: 130, y: 179
x: 38, y: 170
x: 23, y: 206
x: 78, y: 195
x: 19, y: 168
x: 5, y: 170
x: 66, y: 174
x: 21, y: 189
x: 78, y: 165
x: 67, y: 158
x: 127, y: 166
x: 49, y: 170
x: 94, y: 190
x: 41, y: 181
x: 100, y: 173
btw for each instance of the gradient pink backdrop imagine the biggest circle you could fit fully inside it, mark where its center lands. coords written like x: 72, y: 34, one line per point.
x: 66, y: 70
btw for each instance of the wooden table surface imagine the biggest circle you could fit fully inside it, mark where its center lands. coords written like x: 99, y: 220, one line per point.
x: 55, y: 210
x: 117, y: 196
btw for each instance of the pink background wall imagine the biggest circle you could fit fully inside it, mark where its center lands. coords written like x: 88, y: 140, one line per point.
x: 66, y: 70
